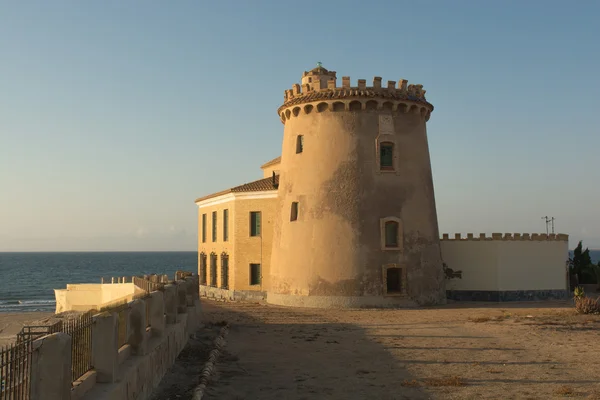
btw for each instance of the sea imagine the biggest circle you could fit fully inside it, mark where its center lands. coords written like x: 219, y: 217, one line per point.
x: 28, y: 280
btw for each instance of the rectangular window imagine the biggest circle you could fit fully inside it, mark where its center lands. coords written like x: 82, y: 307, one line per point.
x: 294, y: 211
x: 225, y: 225
x: 203, y: 228
x: 386, y: 156
x: 299, y: 144
x: 255, y: 223
x: 214, y: 226
x: 213, y: 270
x: 391, y: 234
x: 224, y: 271
x: 203, y: 269
x: 254, y: 274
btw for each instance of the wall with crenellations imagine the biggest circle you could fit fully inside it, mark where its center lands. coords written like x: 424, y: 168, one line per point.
x: 510, y: 266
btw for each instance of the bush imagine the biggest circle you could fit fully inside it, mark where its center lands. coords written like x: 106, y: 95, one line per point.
x: 587, y: 305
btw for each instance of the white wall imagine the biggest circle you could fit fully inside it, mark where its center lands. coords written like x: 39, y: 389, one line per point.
x: 509, y: 262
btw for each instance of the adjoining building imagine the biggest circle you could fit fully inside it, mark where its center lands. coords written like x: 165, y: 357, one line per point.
x: 235, y: 230
x: 346, y: 217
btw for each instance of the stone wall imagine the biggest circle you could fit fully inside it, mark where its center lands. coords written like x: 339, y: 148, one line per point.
x: 232, y: 295
x: 155, y: 337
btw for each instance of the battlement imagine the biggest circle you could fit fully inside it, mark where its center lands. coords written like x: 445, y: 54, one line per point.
x: 328, y: 83
x: 509, y: 237
x: 320, y: 85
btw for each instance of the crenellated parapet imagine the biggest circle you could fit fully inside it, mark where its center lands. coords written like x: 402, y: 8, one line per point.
x: 508, y: 237
x: 320, y: 86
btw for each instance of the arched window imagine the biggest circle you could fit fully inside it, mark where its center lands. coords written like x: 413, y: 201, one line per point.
x: 386, y: 156
x: 203, y: 268
x: 213, y: 270
x: 391, y: 234
x: 224, y: 271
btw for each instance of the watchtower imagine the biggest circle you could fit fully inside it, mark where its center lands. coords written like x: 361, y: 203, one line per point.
x: 357, y: 223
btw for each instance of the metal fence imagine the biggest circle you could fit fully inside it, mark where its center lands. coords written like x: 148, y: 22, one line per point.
x: 33, y: 332
x: 15, y: 371
x: 80, y: 330
x: 147, y: 285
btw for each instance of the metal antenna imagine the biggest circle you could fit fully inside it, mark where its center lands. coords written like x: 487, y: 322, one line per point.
x: 547, y: 220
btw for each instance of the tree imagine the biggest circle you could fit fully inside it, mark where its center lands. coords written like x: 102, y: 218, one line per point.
x: 581, y: 263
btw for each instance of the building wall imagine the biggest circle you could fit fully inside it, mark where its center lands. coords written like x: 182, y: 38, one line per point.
x: 507, y: 263
x: 251, y: 249
x: 268, y: 171
x: 219, y: 246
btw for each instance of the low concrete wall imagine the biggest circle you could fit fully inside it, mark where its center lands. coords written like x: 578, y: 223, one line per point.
x: 132, y: 371
x: 90, y: 296
x: 232, y: 295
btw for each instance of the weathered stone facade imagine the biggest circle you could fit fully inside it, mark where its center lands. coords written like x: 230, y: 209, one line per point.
x: 332, y: 176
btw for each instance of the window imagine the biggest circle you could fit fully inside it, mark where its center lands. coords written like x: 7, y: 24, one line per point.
x: 254, y: 223
x: 391, y: 234
x: 225, y: 225
x: 294, y: 213
x: 213, y: 270
x: 224, y: 271
x: 386, y: 156
x: 394, y: 280
x: 214, y: 226
x: 255, y: 274
x: 203, y: 228
x: 202, y: 268
x: 299, y: 143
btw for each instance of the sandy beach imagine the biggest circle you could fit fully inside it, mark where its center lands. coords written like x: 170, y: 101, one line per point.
x: 11, y: 323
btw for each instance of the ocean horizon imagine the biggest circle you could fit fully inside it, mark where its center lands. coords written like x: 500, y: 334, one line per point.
x: 28, y: 279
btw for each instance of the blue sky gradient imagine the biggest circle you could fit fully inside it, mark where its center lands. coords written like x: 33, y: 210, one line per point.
x: 113, y: 115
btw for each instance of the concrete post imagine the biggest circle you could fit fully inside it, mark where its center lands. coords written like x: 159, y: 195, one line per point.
x: 137, y: 338
x: 157, y: 313
x: 105, y: 347
x: 51, y: 367
x: 170, y: 296
x: 189, y: 291
x: 181, y: 297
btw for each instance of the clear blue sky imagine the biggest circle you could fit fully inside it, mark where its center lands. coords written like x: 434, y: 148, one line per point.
x: 113, y: 114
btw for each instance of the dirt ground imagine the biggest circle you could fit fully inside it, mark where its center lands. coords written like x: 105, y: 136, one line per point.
x: 466, y: 351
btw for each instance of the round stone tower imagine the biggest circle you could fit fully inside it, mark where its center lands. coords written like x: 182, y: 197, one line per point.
x: 356, y: 224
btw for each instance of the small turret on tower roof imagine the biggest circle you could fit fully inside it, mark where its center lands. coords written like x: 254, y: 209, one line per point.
x: 318, y: 77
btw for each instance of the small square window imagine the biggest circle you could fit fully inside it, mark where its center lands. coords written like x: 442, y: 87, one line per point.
x: 294, y: 211
x: 299, y: 144
x: 386, y: 156
x: 255, y: 274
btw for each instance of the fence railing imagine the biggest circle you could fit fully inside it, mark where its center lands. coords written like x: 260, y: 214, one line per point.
x: 15, y: 359
x: 15, y: 371
x: 80, y: 330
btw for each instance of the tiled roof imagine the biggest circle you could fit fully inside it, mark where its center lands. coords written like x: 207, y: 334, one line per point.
x: 261, y: 185
x: 269, y: 163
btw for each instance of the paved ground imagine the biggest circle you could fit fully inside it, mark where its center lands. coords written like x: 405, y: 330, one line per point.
x: 452, y: 352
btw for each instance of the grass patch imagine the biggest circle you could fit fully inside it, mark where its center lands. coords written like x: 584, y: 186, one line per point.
x: 564, y: 390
